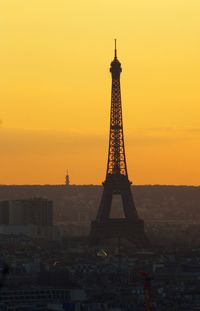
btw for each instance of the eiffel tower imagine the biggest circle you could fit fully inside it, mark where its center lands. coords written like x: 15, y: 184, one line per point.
x: 130, y: 228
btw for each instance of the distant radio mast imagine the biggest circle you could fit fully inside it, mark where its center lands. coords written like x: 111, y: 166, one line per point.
x: 67, y: 180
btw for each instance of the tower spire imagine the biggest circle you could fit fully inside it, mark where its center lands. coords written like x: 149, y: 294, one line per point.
x: 115, y: 48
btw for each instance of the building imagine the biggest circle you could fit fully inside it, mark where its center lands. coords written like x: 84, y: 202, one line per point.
x: 34, y: 211
x: 29, y: 217
x: 4, y: 212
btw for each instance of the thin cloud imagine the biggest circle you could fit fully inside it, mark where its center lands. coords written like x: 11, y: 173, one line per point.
x: 162, y: 135
x: 16, y: 142
x: 173, y: 129
x: 42, y: 142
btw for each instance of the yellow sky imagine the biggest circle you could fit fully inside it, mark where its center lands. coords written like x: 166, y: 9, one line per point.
x: 55, y: 89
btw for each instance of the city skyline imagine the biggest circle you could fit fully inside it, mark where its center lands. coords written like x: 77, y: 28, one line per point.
x: 55, y: 90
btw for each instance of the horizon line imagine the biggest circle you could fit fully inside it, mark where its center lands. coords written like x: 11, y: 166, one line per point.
x: 95, y: 185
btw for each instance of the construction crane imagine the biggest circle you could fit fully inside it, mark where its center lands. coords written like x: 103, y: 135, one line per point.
x: 147, y: 290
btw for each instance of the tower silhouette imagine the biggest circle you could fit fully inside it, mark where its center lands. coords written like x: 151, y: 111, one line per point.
x: 117, y: 183
x: 67, y: 179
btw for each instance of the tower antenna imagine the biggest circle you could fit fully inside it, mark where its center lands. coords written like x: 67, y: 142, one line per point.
x: 115, y: 48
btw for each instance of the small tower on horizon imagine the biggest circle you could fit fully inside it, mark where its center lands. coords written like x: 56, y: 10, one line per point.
x: 67, y: 180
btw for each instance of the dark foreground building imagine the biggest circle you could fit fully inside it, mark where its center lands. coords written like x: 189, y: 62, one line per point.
x: 34, y: 211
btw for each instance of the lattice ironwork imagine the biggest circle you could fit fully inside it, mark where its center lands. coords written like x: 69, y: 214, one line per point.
x: 116, y: 152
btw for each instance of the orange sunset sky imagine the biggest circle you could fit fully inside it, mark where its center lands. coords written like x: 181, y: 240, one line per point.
x: 55, y: 89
